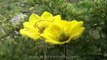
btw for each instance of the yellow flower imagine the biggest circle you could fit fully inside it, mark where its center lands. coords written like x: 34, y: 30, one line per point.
x: 52, y: 28
x: 37, y: 24
x: 62, y: 31
x: 45, y: 20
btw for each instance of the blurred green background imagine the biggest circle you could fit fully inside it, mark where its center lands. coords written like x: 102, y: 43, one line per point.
x: 92, y: 45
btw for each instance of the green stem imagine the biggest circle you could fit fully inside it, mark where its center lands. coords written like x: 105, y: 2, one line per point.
x: 65, y: 51
x: 45, y: 51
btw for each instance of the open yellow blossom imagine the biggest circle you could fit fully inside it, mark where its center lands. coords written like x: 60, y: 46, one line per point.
x: 52, y: 28
x: 37, y: 24
x: 62, y: 31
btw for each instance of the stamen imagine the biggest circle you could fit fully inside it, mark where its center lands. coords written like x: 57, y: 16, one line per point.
x: 63, y: 37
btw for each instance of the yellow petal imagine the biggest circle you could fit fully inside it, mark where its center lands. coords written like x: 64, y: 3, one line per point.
x: 77, y: 34
x: 52, y: 40
x: 52, y: 33
x: 71, y: 25
x: 34, y: 34
x: 57, y: 18
x: 47, y: 16
x: 73, y: 22
x: 76, y: 28
x: 65, y: 25
x: 54, y: 30
x: 28, y: 25
x: 34, y: 18
x: 23, y: 32
x: 43, y: 24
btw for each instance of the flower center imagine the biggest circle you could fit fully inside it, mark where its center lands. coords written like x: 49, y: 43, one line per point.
x: 41, y: 29
x: 42, y: 25
x: 63, y: 37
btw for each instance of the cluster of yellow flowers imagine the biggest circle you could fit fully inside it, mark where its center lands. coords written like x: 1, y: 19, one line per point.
x: 52, y: 29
